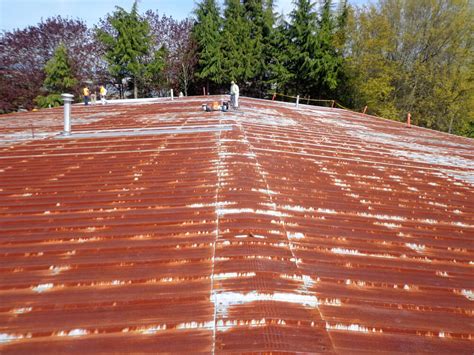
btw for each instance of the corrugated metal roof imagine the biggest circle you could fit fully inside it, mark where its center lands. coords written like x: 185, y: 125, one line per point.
x: 159, y: 227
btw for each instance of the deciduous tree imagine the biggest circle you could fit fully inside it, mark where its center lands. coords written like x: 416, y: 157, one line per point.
x: 416, y: 56
x: 180, y: 55
x: 24, y: 53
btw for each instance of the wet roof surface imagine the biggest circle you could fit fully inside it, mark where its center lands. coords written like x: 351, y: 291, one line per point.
x: 266, y: 229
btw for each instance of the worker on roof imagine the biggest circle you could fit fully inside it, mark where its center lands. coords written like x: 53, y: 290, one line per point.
x: 234, y: 95
x: 103, y: 94
x: 86, y: 94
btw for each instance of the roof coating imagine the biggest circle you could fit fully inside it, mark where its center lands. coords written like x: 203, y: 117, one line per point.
x: 157, y: 227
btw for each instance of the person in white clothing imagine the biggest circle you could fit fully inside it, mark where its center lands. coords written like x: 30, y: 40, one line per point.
x: 234, y: 94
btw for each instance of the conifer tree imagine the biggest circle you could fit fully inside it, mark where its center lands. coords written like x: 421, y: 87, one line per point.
x: 279, y: 59
x: 127, y: 48
x: 254, y: 13
x: 262, y: 19
x: 238, y: 46
x: 328, y: 59
x: 153, y: 75
x: 59, y: 78
x: 343, y: 92
x: 341, y: 26
x: 207, y: 34
x: 302, y: 48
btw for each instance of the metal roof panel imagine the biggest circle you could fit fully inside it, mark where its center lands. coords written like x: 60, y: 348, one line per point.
x: 159, y: 227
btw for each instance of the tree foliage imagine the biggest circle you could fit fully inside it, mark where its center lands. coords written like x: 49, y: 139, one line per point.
x: 50, y: 100
x: 328, y: 55
x: 239, y: 47
x: 175, y: 39
x: 262, y: 19
x: 371, y: 69
x: 59, y: 76
x: 24, y: 53
x: 395, y: 56
x: 207, y: 34
x: 302, y: 49
x: 279, y: 58
x: 416, y: 56
x: 315, y: 47
x: 128, y: 47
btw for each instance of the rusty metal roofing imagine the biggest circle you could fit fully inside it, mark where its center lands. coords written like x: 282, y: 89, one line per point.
x: 159, y: 227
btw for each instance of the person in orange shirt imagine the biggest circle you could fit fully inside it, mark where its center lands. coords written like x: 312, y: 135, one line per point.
x: 86, y: 94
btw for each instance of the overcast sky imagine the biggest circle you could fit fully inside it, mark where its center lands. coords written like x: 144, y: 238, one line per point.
x: 22, y: 13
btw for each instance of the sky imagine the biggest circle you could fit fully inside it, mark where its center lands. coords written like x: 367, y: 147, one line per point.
x: 22, y: 13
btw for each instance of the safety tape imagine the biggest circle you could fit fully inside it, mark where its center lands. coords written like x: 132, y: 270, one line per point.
x: 302, y: 98
x: 316, y: 100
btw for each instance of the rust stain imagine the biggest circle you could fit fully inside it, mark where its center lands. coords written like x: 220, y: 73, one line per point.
x: 266, y: 229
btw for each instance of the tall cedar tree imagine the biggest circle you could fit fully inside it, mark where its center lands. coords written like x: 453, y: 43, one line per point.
x: 262, y: 19
x: 59, y: 76
x: 207, y: 34
x: 328, y: 59
x: 303, y: 47
x: 280, y: 76
x: 268, y: 35
x: 341, y: 36
x: 128, y: 47
x: 240, y: 62
x: 254, y: 13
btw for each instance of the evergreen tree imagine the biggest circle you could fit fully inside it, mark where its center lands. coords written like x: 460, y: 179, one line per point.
x: 302, y: 48
x: 240, y: 62
x: 59, y: 76
x: 254, y: 13
x: 262, y: 19
x: 153, y: 72
x: 127, y: 48
x: 269, y: 18
x: 341, y: 26
x: 279, y: 59
x: 328, y: 61
x: 343, y: 90
x: 206, y: 33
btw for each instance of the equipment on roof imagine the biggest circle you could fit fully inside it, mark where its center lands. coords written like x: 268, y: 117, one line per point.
x: 215, y: 106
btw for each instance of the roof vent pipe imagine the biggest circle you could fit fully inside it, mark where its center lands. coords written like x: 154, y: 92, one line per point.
x: 67, y: 98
